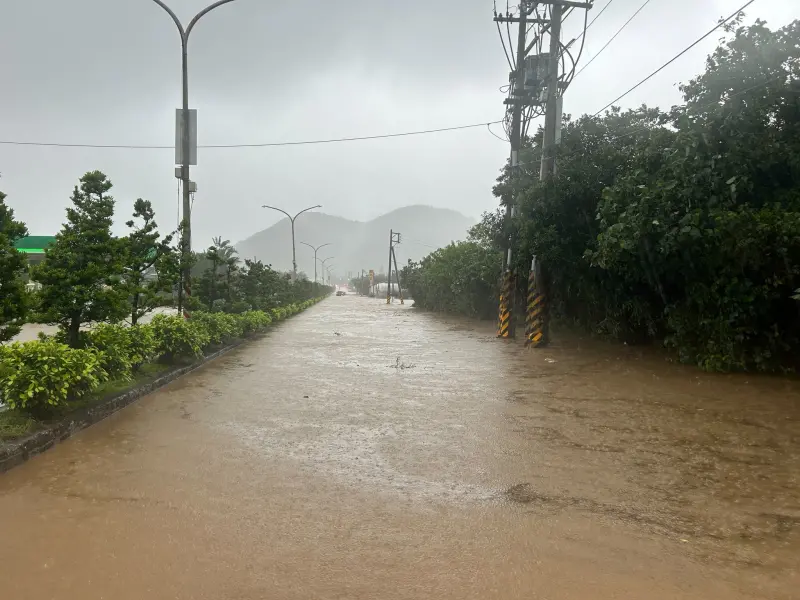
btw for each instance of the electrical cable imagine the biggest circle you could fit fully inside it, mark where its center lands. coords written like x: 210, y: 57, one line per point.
x: 489, y: 127
x: 259, y: 145
x: 646, y: 2
x: 583, y: 41
x: 676, y: 57
x: 601, y: 12
x: 502, y: 41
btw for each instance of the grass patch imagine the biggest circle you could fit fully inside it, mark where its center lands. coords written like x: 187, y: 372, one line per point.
x: 145, y: 374
x: 14, y: 425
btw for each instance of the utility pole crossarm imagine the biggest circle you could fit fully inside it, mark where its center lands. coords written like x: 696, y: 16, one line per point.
x: 569, y: 3
x: 519, y: 20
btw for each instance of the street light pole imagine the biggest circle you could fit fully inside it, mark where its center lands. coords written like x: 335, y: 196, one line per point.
x: 315, y: 257
x: 186, y: 233
x: 323, y: 266
x: 292, y: 218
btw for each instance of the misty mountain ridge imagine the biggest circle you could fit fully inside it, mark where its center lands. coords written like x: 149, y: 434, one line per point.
x: 356, y: 245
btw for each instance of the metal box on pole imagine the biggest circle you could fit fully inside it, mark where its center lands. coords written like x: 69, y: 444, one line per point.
x: 192, y: 136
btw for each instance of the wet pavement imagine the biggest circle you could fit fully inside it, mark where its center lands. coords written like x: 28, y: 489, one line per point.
x: 361, y: 450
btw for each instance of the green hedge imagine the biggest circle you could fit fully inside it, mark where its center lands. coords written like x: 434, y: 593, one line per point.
x: 37, y: 376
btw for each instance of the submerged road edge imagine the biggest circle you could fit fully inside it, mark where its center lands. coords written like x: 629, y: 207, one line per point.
x: 17, y: 452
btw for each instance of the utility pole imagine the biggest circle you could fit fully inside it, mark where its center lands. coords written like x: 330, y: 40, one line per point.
x: 389, y: 278
x: 505, y: 324
x: 535, y: 90
x: 397, y: 272
x: 392, y: 242
x: 551, y: 124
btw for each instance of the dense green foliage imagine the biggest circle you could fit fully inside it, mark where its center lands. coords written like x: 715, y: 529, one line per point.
x: 179, y: 338
x: 681, y: 226
x: 45, y: 374
x: 81, y: 272
x: 227, y: 285
x: 150, y: 263
x: 13, y: 298
x: 457, y: 279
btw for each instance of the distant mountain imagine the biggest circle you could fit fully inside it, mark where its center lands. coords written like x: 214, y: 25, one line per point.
x: 356, y: 245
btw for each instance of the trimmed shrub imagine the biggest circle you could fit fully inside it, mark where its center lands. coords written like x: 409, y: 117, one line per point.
x: 114, y: 345
x: 178, y: 338
x: 142, y: 345
x: 220, y: 327
x: 42, y: 375
x: 254, y: 321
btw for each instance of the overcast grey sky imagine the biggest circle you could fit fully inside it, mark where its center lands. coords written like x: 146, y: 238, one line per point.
x: 108, y: 72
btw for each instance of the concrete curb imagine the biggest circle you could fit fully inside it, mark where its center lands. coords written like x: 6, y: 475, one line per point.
x: 16, y: 452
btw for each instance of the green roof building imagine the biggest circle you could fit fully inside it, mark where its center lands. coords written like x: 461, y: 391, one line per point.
x: 33, y: 246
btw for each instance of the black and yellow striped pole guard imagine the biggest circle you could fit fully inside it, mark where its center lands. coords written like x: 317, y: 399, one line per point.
x: 504, y: 328
x: 535, y: 319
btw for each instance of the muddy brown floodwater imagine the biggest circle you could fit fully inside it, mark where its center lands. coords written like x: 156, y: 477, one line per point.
x: 369, y: 451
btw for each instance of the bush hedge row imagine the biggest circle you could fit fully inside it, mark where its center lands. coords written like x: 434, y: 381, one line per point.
x: 38, y: 376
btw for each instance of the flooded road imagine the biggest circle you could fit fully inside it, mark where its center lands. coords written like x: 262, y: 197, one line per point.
x: 368, y: 451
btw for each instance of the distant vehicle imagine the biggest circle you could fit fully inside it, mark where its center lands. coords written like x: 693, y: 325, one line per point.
x: 341, y: 293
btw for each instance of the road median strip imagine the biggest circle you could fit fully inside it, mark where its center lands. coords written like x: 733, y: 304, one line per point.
x: 43, y: 411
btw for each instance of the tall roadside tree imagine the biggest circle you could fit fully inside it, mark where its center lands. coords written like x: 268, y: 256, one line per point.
x: 150, y: 268
x: 81, y: 272
x: 13, y: 299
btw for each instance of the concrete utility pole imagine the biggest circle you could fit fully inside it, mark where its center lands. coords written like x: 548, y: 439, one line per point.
x: 392, y: 242
x: 506, y: 325
x: 315, y: 257
x: 551, y: 124
x: 185, y: 150
x: 397, y: 273
x: 292, y: 218
x: 536, y: 88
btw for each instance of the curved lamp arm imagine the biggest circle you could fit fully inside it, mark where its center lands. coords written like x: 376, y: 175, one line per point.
x: 305, y: 210
x: 185, y: 32
x: 203, y: 12
x: 174, y: 18
x: 279, y: 210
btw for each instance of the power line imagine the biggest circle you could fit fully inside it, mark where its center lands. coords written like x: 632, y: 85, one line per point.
x: 646, y: 2
x: 489, y: 127
x: 600, y: 13
x: 259, y: 145
x: 676, y: 57
x: 585, y: 29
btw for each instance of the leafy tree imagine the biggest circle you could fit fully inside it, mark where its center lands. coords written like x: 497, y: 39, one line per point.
x: 230, y: 262
x: 210, y: 282
x: 150, y: 263
x: 81, y: 272
x: 263, y: 288
x: 13, y: 298
x: 681, y: 226
x: 459, y: 278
